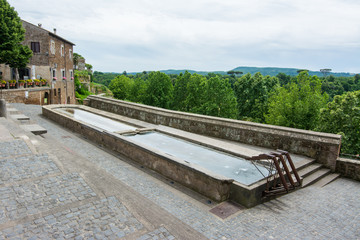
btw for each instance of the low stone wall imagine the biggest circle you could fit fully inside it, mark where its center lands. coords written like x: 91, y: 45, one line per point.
x: 323, y: 147
x: 348, y: 168
x: 208, y: 184
x: 26, y: 95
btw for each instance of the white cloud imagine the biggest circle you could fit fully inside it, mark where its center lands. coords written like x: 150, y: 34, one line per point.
x: 208, y: 35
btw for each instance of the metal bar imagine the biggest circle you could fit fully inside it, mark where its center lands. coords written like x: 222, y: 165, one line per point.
x: 291, y: 164
x: 285, y: 168
x: 280, y: 174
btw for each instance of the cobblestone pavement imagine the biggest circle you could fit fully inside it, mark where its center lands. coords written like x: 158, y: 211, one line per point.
x: 161, y: 233
x: 13, y: 148
x: 331, y: 212
x: 24, y: 167
x: 103, y: 219
x: 20, y: 200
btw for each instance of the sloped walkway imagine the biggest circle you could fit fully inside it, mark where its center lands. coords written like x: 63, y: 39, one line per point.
x: 62, y: 186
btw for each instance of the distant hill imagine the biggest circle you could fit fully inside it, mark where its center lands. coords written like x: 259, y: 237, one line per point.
x: 272, y: 71
x: 172, y: 71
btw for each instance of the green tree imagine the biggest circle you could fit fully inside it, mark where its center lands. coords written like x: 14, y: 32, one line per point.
x: 12, y: 52
x: 138, y: 91
x: 88, y: 67
x: 76, y: 58
x: 252, y: 93
x: 121, y: 87
x: 159, y: 90
x: 342, y: 116
x: 297, y: 105
x: 180, y: 92
x: 219, y: 99
x: 196, y: 89
x: 283, y: 79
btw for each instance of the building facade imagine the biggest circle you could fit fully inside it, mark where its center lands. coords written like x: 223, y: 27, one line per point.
x: 52, y: 60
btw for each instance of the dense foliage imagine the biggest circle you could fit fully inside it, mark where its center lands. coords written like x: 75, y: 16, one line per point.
x: 12, y: 52
x: 298, y: 104
x: 342, y: 116
x: 252, y: 94
x: 159, y: 90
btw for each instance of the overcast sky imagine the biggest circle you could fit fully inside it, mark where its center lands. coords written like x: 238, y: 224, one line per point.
x: 209, y: 35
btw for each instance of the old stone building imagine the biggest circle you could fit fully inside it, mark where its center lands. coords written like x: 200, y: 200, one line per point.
x: 52, y: 60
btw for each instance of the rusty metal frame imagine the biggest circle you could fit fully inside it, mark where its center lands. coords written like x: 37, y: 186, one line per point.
x: 280, y: 178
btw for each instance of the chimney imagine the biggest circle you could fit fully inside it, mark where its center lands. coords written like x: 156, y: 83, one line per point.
x: 54, y: 30
x: 39, y: 25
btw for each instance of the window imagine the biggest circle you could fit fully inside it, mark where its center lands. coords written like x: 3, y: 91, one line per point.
x: 53, y: 74
x: 70, y: 54
x: 35, y: 47
x: 62, y: 52
x: 55, y: 92
x: 63, y: 74
x: 52, y: 47
x: 71, y: 74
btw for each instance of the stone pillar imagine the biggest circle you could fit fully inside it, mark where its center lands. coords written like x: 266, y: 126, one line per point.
x: 2, y: 108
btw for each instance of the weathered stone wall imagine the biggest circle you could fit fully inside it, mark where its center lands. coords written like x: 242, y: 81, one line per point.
x: 5, y: 72
x: 34, y: 33
x: 35, y: 95
x: 323, y: 147
x: 348, y: 168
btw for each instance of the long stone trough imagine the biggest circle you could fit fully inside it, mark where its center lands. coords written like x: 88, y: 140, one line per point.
x: 142, y: 143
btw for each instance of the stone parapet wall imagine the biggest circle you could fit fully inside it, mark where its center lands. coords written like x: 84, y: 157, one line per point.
x: 323, y: 147
x: 348, y: 168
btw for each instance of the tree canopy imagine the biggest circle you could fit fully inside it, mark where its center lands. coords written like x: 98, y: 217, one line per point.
x: 12, y: 33
x: 121, y: 86
x: 159, y: 90
x: 298, y: 104
x: 252, y: 93
x: 342, y: 116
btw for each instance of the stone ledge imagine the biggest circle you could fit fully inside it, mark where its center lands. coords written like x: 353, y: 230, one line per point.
x: 348, y: 168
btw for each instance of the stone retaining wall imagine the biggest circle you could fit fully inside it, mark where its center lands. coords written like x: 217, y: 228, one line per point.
x: 26, y: 95
x: 348, y: 168
x: 323, y: 147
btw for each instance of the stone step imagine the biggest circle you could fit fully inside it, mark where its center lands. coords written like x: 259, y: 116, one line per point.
x: 20, y: 117
x: 12, y: 111
x: 315, y: 176
x: 34, y: 128
x: 306, y: 171
x: 304, y: 163
x: 326, y: 180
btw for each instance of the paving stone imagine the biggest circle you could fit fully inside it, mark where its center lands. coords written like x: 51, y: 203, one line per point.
x: 40, y: 195
x: 160, y: 233
x: 81, y: 225
x: 24, y: 167
x: 13, y: 148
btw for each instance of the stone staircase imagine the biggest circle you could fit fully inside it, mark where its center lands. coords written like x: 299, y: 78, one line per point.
x: 315, y: 174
